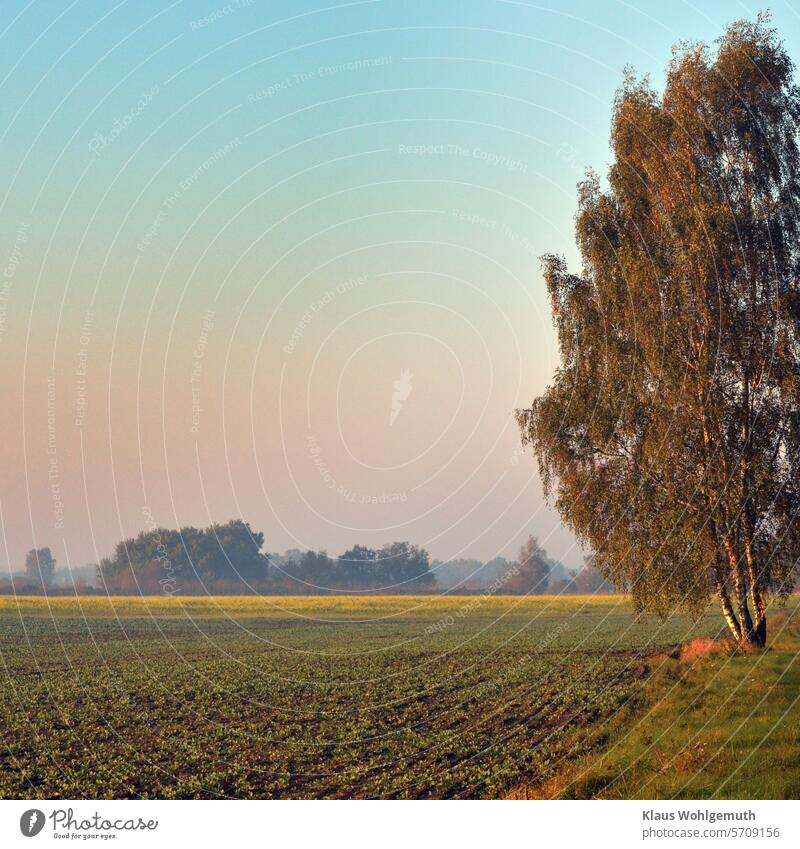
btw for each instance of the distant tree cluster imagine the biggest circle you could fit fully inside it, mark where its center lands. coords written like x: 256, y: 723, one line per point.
x: 396, y: 568
x: 40, y: 567
x: 228, y: 559
x: 220, y: 558
x: 590, y: 580
x: 532, y: 573
x: 463, y: 575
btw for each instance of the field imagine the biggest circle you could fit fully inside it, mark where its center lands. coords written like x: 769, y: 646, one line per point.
x: 315, y: 697
x: 719, y: 725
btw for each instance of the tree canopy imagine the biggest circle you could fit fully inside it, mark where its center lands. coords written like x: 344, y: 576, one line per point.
x: 220, y: 557
x: 228, y: 558
x: 40, y: 566
x: 671, y: 431
x: 532, y: 573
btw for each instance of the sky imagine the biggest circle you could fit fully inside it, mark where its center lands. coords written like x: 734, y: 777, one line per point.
x: 279, y: 260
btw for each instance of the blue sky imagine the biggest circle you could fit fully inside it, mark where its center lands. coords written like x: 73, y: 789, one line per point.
x: 228, y: 230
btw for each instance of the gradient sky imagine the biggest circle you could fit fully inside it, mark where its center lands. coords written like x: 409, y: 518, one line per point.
x: 226, y: 231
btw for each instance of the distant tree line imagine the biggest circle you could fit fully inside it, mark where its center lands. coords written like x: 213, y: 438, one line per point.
x: 228, y: 559
x: 222, y: 558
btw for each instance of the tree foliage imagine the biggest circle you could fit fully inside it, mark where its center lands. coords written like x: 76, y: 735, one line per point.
x: 221, y: 557
x: 397, y: 567
x: 670, y: 434
x: 228, y: 559
x: 590, y: 580
x: 40, y: 567
x: 533, y: 570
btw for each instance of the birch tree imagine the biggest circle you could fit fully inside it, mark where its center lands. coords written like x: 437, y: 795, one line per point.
x: 669, y: 438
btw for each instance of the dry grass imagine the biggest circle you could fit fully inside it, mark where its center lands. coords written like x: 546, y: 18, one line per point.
x: 704, y: 647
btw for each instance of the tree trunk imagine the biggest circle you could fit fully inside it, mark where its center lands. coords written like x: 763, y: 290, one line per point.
x: 740, y: 587
x: 728, y: 613
x: 754, y: 574
x: 756, y: 596
x: 725, y: 602
x: 759, y: 609
x: 748, y: 632
x: 761, y: 632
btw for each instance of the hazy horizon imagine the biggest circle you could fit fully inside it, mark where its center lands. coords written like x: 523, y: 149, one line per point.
x: 279, y: 262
